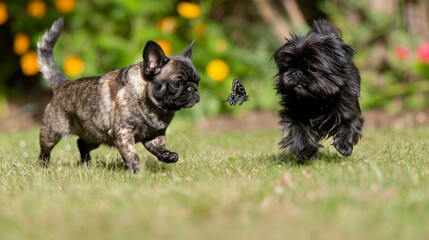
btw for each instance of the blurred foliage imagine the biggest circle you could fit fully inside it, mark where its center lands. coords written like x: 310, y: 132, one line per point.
x: 394, y: 63
x: 102, y: 35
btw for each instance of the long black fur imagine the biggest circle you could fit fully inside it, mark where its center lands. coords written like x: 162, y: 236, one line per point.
x: 319, y: 89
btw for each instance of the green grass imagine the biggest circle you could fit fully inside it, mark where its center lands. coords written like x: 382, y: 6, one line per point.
x: 225, y: 186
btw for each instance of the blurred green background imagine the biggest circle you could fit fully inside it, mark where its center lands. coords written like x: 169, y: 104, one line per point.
x: 233, y: 39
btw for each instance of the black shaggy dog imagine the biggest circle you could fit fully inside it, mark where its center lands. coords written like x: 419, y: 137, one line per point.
x: 319, y: 88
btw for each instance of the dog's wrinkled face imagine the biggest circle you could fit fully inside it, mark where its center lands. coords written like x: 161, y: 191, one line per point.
x: 313, y: 66
x: 172, y: 81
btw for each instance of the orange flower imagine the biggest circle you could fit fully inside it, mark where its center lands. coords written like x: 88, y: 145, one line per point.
x: 73, y: 65
x: 28, y: 63
x: 188, y: 10
x: 217, y: 70
x: 36, y: 9
x: 21, y: 43
x: 165, y: 45
x: 167, y: 24
x: 65, y: 6
x: 3, y: 13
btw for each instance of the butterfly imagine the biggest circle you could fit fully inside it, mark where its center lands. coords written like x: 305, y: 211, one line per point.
x: 238, y: 94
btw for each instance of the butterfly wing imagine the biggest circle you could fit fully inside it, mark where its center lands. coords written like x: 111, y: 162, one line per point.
x: 239, y: 91
x: 242, y: 99
x: 231, y: 99
x: 238, y: 94
x: 238, y: 88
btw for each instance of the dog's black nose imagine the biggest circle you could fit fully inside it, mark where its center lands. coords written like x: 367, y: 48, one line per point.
x: 190, y: 89
x: 298, y: 73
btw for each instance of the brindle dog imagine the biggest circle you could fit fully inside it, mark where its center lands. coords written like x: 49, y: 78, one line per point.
x: 120, y: 108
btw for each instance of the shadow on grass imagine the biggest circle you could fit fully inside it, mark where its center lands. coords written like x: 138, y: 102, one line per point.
x: 286, y: 158
x: 150, y: 165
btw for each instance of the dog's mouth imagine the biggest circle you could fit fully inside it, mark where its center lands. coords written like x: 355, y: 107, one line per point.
x: 187, y: 100
x: 302, y: 91
x: 174, y: 98
x: 194, y: 100
x: 299, y: 88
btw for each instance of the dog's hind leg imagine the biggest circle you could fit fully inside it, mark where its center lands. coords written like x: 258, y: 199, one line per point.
x: 55, y: 126
x: 48, y: 139
x: 85, y: 148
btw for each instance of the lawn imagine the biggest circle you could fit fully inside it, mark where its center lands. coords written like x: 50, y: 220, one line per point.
x: 226, y: 185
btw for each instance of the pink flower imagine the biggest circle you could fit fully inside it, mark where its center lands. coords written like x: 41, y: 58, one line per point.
x: 401, y: 52
x: 423, y: 53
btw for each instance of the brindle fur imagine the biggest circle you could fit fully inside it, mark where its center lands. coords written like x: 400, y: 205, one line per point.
x: 120, y: 108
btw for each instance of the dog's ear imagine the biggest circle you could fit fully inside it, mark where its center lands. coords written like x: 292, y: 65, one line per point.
x: 187, y: 53
x: 153, y: 59
x: 323, y: 26
x: 349, y: 51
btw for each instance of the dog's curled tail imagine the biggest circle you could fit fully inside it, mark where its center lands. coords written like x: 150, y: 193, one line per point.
x: 45, y: 56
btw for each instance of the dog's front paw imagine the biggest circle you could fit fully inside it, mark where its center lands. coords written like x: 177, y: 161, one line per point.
x: 132, y: 167
x: 168, y: 157
x: 307, y: 153
x: 343, y: 147
x: 305, y: 149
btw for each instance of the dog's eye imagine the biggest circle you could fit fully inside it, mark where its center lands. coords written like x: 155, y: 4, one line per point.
x: 284, y: 69
x: 178, y: 84
x: 312, y: 69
